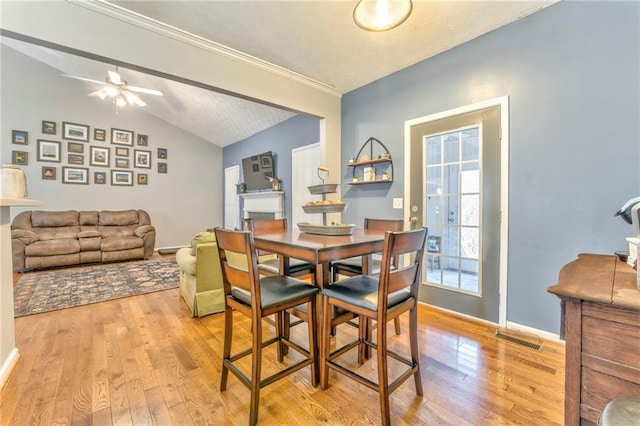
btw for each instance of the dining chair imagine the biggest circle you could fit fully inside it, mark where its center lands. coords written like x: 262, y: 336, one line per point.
x: 353, y: 265
x: 275, y: 266
x: 381, y: 298
x: 255, y: 297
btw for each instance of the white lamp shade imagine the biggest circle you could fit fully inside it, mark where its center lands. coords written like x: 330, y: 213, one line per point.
x: 381, y: 15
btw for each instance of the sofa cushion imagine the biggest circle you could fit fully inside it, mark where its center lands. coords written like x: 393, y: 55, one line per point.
x: 88, y: 234
x: 57, y: 233
x: 44, y: 219
x: 120, y: 243
x: 87, y: 218
x: 124, y: 217
x: 141, y: 230
x: 53, y: 247
x: 201, y: 237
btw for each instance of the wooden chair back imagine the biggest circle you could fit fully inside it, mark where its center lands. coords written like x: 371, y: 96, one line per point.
x: 266, y: 226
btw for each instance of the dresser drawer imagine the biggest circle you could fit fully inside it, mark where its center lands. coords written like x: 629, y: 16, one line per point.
x: 612, y: 334
x: 598, y: 388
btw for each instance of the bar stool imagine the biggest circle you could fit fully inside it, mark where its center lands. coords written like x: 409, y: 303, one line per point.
x: 381, y: 298
x: 255, y: 297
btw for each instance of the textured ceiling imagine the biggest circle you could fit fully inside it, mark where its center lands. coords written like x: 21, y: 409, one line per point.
x: 316, y: 39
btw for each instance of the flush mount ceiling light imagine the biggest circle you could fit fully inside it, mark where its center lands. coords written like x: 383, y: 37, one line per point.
x: 381, y: 15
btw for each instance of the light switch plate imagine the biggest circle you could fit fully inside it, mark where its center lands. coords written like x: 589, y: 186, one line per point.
x: 397, y: 203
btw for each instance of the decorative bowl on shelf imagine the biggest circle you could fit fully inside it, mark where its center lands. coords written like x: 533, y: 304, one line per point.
x: 325, y: 188
x: 325, y: 208
x: 320, y: 229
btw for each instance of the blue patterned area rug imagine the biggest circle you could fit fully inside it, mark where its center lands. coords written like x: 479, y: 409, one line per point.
x: 45, y: 291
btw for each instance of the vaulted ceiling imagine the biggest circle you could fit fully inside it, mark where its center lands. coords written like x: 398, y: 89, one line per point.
x: 315, y: 39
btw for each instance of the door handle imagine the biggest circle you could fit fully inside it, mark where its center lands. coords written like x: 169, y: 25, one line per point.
x: 413, y: 220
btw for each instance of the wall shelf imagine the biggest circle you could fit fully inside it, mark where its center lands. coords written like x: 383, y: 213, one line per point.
x: 378, y: 155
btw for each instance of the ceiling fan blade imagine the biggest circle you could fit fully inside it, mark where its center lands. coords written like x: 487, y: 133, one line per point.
x: 133, y: 99
x: 102, y: 93
x: 146, y: 91
x: 114, y: 77
x: 83, y: 79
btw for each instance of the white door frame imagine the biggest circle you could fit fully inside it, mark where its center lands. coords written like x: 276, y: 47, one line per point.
x: 503, y: 103
x: 231, y: 200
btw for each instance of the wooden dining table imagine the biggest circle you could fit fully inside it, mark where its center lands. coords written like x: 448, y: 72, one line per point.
x: 321, y: 250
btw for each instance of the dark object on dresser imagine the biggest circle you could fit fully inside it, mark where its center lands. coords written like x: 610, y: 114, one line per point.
x: 601, y: 325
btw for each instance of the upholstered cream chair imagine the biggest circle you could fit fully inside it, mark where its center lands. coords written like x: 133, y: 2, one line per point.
x: 200, y: 275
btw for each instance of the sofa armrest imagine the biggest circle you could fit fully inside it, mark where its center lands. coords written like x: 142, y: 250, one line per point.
x: 186, y: 261
x: 24, y: 235
x: 142, y: 230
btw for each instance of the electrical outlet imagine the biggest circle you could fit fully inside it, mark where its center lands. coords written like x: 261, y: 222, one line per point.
x: 397, y: 203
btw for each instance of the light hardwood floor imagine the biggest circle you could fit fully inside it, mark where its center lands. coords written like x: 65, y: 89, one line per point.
x: 143, y: 360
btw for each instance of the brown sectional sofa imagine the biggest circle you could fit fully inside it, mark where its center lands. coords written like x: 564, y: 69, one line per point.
x: 43, y: 239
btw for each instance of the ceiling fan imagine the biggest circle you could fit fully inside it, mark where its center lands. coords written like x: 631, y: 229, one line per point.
x: 118, y: 89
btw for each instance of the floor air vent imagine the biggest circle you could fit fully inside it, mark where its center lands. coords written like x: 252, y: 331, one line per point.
x: 524, y: 339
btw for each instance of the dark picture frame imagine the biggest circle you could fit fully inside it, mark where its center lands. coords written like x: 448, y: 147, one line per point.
x: 141, y: 159
x: 143, y: 178
x: 75, y: 159
x: 121, y: 137
x: 162, y: 153
x: 143, y: 140
x: 75, y: 147
x: 20, y: 137
x: 75, y: 175
x: 49, y: 173
x: 20, y: 158
x: 48, y: 151
x: 49, y: 127
x: 99, y: 157
x: 75, y: 131
x: 122, y: 163
x: 121, y: 178
x: 100, y: 135
x: 99, y: 178
x: 122, y: 152
x: 162, y: 168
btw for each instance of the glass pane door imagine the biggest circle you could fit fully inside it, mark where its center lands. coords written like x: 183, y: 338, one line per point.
x: 452, y: 214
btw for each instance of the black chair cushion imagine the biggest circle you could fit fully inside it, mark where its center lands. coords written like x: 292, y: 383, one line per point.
x: 276, y: 290
x: 295, y: 266
x: 362, y: 291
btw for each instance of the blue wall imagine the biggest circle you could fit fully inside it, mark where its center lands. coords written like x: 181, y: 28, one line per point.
x: 280, y: 139
x: 572, y: 74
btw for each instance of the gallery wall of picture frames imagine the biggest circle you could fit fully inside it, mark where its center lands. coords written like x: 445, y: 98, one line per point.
x: 119, y: 157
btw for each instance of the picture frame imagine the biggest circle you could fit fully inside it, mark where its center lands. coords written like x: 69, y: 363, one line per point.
x: 162, y: 153
x: 143, y: 140
x: 122, y: 152
x: 121, y: 137
x: 75, y: 147
x: 49, y: 173
x: 265, y: 161
x: 75, y: 131
x: 122, y: 163
x: 121, y: 178
x: 75, y: 159
x: 20, y: 137
x: 99, y: 156
x: 20, y: 158
x: 49, y: 127
x: 100, y: 135
x: 48, y: 151
x: 143, y: 178
x: 99, y: 178
x: 141, y: 159
x: 75, y: 175
x: 162, y: 168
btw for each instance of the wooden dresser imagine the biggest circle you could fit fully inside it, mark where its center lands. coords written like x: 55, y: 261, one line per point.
x: 601, y: 326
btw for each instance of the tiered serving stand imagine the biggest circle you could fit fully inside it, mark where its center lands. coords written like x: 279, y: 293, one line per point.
x: 323, y: 228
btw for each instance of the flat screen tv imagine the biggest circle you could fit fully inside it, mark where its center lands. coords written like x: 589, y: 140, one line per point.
x: 256, y: 171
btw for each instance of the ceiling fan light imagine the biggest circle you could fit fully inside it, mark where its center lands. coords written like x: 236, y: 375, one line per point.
x: 120, y: 101
x: 102, y: 94
x: 111, y: 91
x: 381, y: 15
x: 131, y: 99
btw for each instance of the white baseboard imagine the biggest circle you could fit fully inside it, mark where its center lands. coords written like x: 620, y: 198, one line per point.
x: 510, y: 325
x: 7, y: 367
